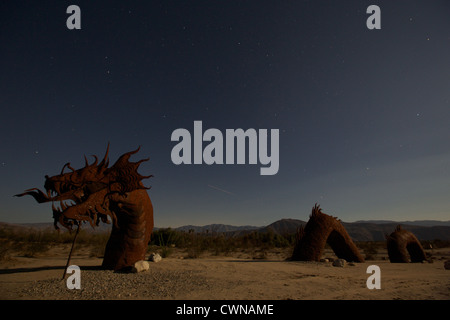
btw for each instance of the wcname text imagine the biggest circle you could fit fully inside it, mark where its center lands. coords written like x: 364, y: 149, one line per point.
x: 232, y: 309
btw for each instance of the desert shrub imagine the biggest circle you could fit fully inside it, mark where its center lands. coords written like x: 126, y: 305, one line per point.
x: 259, y: 255
x: 32, y: 242
x: 435, y: 244
x: 165, y: 251
x: 223, y: 245
x: 32, y: 249
x: 97, y: 250
x: 4, y: 250
x: 267, y: 240
x: 196, y: 245
x: 370, y: 249
x: 96, y: 243
x: 193, y: 253
x: 165, y: 239
x: 219, y: 243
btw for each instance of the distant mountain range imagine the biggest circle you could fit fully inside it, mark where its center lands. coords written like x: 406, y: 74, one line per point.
x: 423, y: 223
x: 216, y: 228
x: 367, y: 230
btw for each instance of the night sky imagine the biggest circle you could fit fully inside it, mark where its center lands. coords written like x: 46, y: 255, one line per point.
x: 363, y: 115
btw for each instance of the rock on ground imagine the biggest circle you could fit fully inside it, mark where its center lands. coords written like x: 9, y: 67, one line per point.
x: 447, y: 265
x: 339, y: 263
x: 155, y: 257
x: 140, y: 266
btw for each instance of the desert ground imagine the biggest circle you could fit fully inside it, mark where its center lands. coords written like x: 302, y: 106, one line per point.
x: 228, y: 277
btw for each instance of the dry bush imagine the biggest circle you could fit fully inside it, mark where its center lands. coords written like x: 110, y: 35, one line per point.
x: 370, y: 249
x: 34, y: 249
x: 196, y: 243
x: 5, y: 249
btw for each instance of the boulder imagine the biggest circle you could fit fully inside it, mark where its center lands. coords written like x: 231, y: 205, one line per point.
x: 447, y: 265
x: 140, y: 266
x: 155, y: 257
x: 339, y: 263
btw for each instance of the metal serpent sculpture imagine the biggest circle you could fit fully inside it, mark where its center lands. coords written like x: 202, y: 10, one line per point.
x: 321, y: 229
x: 96, y: 192
x: 403, y: 245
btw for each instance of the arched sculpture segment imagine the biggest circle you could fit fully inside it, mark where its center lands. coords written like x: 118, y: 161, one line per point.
x: 321, y: 229
x: 403, y: 246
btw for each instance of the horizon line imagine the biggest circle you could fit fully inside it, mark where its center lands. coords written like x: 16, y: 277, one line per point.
x: 249, y: 225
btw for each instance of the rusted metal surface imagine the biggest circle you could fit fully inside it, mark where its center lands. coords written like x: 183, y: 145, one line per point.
x: 98, y: 193
x: 404, y: 247
x: 320, y: 230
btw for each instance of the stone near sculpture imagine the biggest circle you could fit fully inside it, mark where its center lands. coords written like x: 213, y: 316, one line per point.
x: 339, y: 263
x: 154, y: 257
x: 140, y: 266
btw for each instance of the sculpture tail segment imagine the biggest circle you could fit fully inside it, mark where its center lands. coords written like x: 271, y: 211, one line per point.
x: 403, y: 245
x: 320, y: 230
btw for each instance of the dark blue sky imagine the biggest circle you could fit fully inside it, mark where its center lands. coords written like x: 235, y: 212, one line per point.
x: 363, y: 114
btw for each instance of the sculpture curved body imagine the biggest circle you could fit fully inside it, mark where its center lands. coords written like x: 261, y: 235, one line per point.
x: 321, y: 229
x: 131, y: 235
x: 403, y: 245
x: 96, y: 192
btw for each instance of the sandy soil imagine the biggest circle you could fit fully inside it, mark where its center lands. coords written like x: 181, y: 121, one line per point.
x: 224, y: 278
